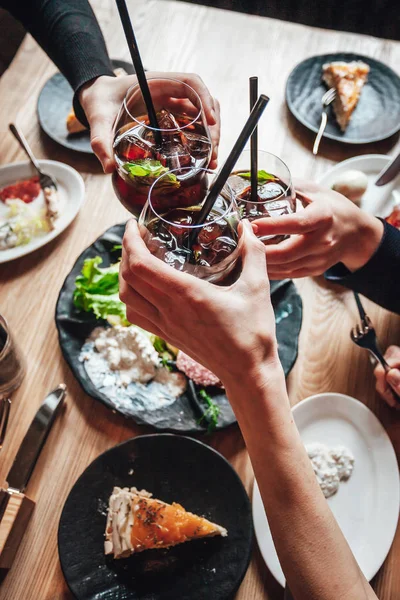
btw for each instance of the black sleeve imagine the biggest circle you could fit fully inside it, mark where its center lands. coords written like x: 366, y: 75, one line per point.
x: 69, y: 33
x: 379, y: 279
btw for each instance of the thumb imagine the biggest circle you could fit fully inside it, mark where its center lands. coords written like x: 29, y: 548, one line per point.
x: 393, y: 379
x: 254, y: 263
x: 101, y: 140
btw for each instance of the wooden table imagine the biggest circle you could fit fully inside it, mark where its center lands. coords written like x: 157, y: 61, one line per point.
x: 225, y: 48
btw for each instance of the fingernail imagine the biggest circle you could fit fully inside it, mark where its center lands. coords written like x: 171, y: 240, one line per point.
x: 393, y: 377
x: 389, y: 399
x: 254, y: 227
x: 213, y: 115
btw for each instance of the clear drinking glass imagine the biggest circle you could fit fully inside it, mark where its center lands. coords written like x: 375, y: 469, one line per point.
x: 186, y: 141
x: 168, y: 226
x: 275, y: 195
x: 12, y: 366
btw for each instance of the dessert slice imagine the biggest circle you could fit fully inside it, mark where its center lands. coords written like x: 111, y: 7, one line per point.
x: 73, y: 124
x: 348, y: 79
x: 138, y: 522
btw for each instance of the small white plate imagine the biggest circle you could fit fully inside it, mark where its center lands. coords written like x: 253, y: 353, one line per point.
x: 367, y: 505
x: 71, y: 190
x: 378, y: 201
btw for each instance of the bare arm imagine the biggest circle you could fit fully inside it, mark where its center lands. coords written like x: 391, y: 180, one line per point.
x: 317, y: 562
x: 314, y: 554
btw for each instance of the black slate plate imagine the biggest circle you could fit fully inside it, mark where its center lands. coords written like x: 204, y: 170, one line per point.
x: 54, y: 104
x: 182, y: 416
x: 174, y: 469
x: 377, y: 115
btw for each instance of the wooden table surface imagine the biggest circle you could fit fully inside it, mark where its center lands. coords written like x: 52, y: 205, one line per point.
x: 225, y: 48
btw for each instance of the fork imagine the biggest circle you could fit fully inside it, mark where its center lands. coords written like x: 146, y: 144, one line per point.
x: 46, y: 180
x: 5, y: 405
x: 364, y: 336
x: 326, y: 100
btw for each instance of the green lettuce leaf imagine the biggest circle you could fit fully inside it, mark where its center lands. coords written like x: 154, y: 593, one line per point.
x: 96, y: 290
x: 262, y: 176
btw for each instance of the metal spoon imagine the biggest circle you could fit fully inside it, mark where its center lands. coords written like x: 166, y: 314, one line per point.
x: 46, y: 180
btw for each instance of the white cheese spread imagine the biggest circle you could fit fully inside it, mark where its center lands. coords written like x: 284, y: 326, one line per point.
x: 123, y: 364
x: 128, y: 350
x: 331, y: 466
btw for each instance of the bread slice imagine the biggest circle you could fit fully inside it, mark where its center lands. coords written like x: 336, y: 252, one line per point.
x: 138, y: 522
x: 348, y: 80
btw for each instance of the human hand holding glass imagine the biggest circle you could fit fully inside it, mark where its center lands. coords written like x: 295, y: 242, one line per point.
x: 329, y: 230
x: 101, y: 101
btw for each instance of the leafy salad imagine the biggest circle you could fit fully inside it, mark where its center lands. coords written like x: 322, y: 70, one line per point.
x: 97, y: 291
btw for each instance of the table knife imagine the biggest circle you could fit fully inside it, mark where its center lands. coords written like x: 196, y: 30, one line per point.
x: 15, y: 507
x: 389, y: 172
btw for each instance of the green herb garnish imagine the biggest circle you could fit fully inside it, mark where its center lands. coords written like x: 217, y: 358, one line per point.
x: 147, y: 170
x: 211, y: 413
x: 116, y: 248
x: 262, y: 176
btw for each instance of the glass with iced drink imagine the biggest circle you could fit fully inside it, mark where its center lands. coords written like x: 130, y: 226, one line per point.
x: 275, y: 192
x: 170, y: 217
x: 142, y: 156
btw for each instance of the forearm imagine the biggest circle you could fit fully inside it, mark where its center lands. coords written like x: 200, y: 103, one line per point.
x: 314, y: 555
x: 69, y: 33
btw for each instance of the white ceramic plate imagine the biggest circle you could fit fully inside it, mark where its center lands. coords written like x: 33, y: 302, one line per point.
x: 71, y: 191
x: 378, y: 201
x: 367, y: 505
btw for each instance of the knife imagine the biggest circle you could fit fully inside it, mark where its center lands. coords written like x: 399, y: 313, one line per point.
x: 15, y: 507
x: 389, y: 172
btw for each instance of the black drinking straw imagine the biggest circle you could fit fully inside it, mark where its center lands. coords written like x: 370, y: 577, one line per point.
x: 253, y: 82
x: 227, y: 168
x: 137, y: 62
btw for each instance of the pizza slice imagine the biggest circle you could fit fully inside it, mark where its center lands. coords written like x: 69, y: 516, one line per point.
x: 348, y: 79
x: 138, y: 522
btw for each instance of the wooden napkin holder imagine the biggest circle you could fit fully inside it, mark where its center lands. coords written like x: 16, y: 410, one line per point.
x: 15, y: 512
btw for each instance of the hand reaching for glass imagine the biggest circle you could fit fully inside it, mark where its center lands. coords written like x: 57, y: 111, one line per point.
x: 386, y: 382
x: 329, y: 230
x: 101, y: 100
x: 210, y: 323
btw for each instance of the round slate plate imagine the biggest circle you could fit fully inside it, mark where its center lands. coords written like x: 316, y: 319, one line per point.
x: 174, y: 469
x: 75, y: 326
x: 377, y: 115
x: 54, y: 104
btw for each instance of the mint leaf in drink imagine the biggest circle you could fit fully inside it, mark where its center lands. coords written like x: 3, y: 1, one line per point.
x: 211, y: 412
x: 147, y: 170
x: 262, y: 176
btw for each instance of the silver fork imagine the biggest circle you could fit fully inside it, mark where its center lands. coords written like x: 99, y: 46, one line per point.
x: 5, y: 405
x: 326, y: 100
x: 364, y: 336
x: 46, y: 180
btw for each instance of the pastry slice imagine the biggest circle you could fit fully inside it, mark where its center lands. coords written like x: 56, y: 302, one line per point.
x: 348, y: 79
x: 73, y: 125
x: 138, y: 522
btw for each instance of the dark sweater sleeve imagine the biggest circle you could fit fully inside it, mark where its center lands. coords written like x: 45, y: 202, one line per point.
x: 379, y: 279
x: 69, y: 33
